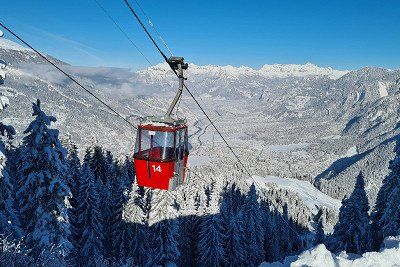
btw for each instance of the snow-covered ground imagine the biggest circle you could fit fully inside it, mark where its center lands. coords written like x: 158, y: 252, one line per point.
x: 382, y: 87
x: 199, y: 160
x: 286, y: 148
x: 7, y: 44
x: 311, y: 196
x: 388, y: 256
x: 351, y: 152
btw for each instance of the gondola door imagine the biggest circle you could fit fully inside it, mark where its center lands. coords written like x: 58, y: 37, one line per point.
x: 181, y: 155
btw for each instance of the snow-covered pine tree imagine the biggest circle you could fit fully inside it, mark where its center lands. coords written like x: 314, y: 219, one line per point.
x: 12, y: 254
x: 271, y: 240
x: 134, y: 238
x: 164, y: 229
x: 352, y: 233
x: 318, y: 225
x: 106, y: 213
x: 320, y: 234
x: 388, y: 184
x: 81, y: 208
x: 189, y: 222
x: 43, y: 198
x: 186, y: 212
x: 73, y: 177
x: 73, y: 171
x: 117, y: 202
x: 130, y: 178
x: 104, y: 170
x: 9, y: 221
x: 98, y: 164
x: 253, y: 229
x: 92, y: 239
x: 272, y: 245
x: 382, y: 207
x: 211, y: 236
x: 390, y: 221
x: 283, y: 230
x: 234, y: 240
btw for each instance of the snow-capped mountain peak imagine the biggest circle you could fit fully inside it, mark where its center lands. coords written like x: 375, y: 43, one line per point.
x: 296, y: 70
x: 232, y: 72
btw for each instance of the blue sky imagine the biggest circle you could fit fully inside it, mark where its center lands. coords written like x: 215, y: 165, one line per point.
x: 342, y: 34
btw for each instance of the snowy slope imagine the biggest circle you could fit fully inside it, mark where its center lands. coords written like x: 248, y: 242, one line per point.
x: 8, y: 44
x: 319, y: 256
x: 311, y: 196
x: 382, y: 88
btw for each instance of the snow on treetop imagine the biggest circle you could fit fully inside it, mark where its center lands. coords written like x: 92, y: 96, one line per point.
x: 1, y: 33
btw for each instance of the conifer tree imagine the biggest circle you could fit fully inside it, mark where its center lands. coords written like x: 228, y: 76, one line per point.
x: 135, y: 227
x: 81, y: 205
x: 189, y: 223
x: 282, y: 225
x: 388, y: 185
x: 9, y: 221
x: 73, y: 178
x: 253, y: 229
x: 320, y: 234
x: 105, y: 211
x: 272, y: 245
x: 43, y: 197
x: 164, y: 229
x: 390, y: 220
x: 211, y: 236
x: 383, y: 207
x: 98, y: 164
x: 92, y: 239
x: 352, y: 232
x: 130, y: 177
x: 235, y: 237
x: 117, y: 201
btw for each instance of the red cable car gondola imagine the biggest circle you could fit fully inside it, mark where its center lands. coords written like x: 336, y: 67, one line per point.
x: 162, y: 147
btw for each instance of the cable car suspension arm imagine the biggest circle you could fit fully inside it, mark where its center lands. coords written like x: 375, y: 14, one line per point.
x: 177, y: 63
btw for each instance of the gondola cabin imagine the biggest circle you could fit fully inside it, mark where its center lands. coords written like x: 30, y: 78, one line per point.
x: 161, y: 153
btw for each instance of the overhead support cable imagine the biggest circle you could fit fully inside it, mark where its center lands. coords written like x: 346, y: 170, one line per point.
x: 121, y: 30
x: 147, y: 32
x: 154, y: 27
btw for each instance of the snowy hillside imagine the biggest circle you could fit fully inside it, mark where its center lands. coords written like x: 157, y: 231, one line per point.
x: 311, y: 196
x: 8, y: 44
x: 388, y: 256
